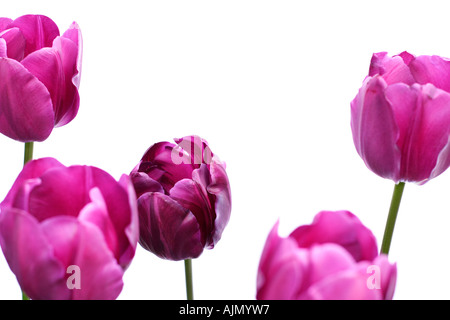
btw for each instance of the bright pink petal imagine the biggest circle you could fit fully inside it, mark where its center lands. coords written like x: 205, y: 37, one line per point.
x: 26, y: 110
x: 74, y: 34
x: 423, y: 114
x: 392, y: 69
x: 39, y: 31
x: 82, y: 244
x: 121, y: 209
x: 63, y: 191
x: 375, y: 130
x: 327, y: 259
x: 345, y: 285
x: 282, y: 270
x: 432, y: 69
x: 3, y: 48
x: 96, y: 213
x: 32, y: 170
x: 341, y: 227
x: 5, y: 23
x: 167, y: 229
x: 30, y: 256
x: 55, y: 67
x: 15, y: 42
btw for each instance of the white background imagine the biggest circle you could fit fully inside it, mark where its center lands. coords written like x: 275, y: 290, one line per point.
x: 269, y: 85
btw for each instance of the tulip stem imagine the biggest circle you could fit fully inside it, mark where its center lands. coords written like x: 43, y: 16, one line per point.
x: 188, y: 272
x: 392, y: 216
x: 28, y: 154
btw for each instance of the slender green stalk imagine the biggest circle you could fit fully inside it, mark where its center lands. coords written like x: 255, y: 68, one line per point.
x: 28, y: 155
x: 188, y: 272
x: 392, y: 216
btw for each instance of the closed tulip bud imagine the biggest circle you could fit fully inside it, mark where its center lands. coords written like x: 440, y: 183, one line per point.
x: 39, y: 76
x: 184, y: 198
x: 400, y: 118
x: 334, y: 258
x: 69, y: 232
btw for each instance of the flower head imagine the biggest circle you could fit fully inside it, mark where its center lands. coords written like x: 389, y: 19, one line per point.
x: 40, y: 76
x: 184, y: 198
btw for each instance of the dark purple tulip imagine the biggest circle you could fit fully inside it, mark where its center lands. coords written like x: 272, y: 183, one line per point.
x: 184, y: 198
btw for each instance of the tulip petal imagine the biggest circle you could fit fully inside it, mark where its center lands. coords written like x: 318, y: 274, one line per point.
x: 423, y: 113
x: 30, y: 256
x: 82, y: 244
x: 345, y: 285
x: 63, y: 191
x: 374, y: 129
x: 219, y: 187
x: 55, y: 67
x: 3, y: 49
x: 120, y: 210
x: 282, y: 268
x: 131, y: 231
x: 96, y: 213
x: 343, y: 228
x: 39, y: 31
x: 5, y: 23
x: 15, y: 43
x: 74, y: 34
x: 431, y: 69
x: 192, y: 196
x: 392, y: 69
x: 143, y: 183
x: 328, y: 259
x: 32, y: 170
x: 26, y: 110
x: 167, y: 229
x: 167, y: 164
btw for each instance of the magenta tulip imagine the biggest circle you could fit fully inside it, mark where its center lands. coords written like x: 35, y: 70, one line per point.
x: 39, y: 76
x: 334, y: 258
x: 400, y: 117
x: 184, y: 198
x: 69, y: 232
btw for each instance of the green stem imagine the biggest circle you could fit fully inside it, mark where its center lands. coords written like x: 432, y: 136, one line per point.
x: 188, y: 272
x: 28, y: 155
x: 392, y: 216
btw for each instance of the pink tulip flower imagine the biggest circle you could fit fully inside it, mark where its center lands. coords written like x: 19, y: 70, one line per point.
x: 184, y: 198
x: 334, y: 258
x: 69, y: 232
x: 400, y: 118
x: 39, y: 76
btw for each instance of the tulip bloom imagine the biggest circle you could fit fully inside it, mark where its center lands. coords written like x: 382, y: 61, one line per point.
x: 39, y: 76
x: 400, y: 118
x: 184, y: 198
x: 334, y: 258
x: 69, y: 232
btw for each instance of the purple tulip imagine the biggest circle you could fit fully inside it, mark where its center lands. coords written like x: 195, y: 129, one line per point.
x: 334, y: 258
x: 400, y: 118
x: 184, y: 198
x: 69, y: 232
x: 40, y: 76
